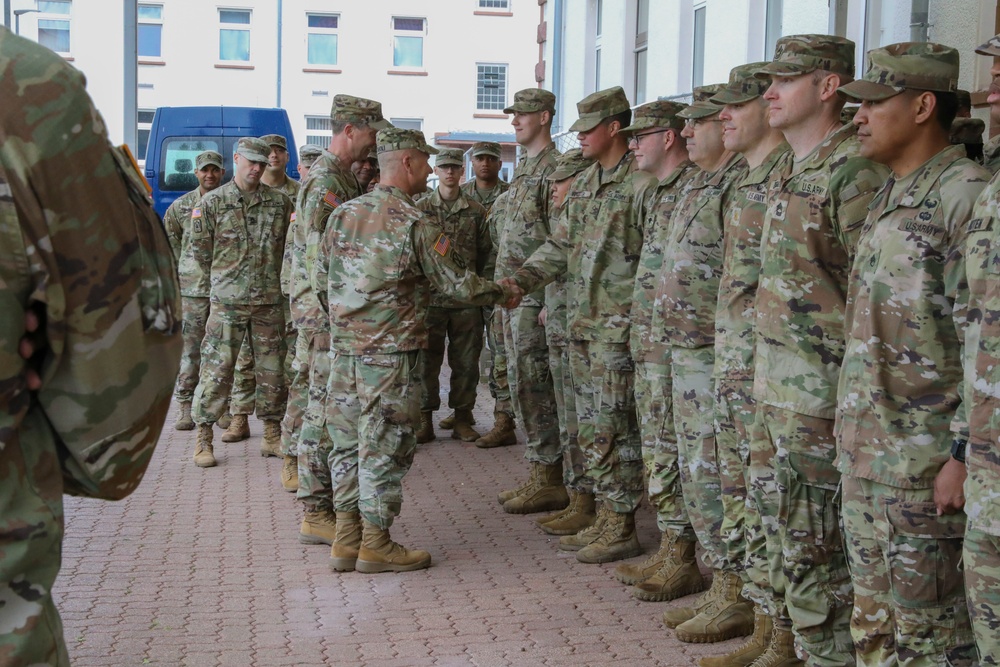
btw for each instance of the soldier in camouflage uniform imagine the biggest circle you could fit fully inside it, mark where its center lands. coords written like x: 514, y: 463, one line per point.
x: 365, y: 170
x: 597, y: 241
x: 486, y: 186
x: 464, y: 221
x: 237, y: 237
x: 194, y: 288
x: 379, y: 257
x: 968, y: 132
x: 308, y: 154
x: 902, y: 488
x: 816, y: 206
x: 991, y: 152
x: 354, y: 121
x: 107, y: 340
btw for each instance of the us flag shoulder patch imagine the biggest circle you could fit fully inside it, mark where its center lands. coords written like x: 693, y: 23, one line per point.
x: 332, y: 199
x: 292, y: 218
x: 443, y: 245
x: 195, y: 213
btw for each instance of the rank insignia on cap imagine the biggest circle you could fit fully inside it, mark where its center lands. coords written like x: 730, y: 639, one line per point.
x: 195, y: 213
x: 332, y: 199
x: 443, y: 245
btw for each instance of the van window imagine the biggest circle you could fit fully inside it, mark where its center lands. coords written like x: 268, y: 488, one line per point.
x: 177, y: 161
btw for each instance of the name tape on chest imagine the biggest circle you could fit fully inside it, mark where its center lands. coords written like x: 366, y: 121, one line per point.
x: 756, y: 197
x: 924, y: 228
x: 980, y: 224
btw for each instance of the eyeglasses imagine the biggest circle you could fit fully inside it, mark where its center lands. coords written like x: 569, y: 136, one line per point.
x: 636, y: 138
x: 695, y: 122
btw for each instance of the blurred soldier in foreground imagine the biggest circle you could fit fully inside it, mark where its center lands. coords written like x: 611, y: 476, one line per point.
x: 307, y: 156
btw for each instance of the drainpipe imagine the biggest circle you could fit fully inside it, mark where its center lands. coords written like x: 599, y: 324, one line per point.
x: 919, y: 13
x: 281, y: 15
x: 557, y: 47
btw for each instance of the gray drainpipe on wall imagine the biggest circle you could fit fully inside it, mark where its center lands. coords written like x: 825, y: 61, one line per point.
x: 557, y: 41
x: 919, y: 23
x: 281, y: 15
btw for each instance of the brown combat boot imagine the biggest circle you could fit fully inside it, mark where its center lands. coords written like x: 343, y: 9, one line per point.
x: 504, y: 496
x: 632, y: 573
x: 579, y: 540
x: 184, y: 421
x: 238, y: 429
x: 318, y: 527
x: 271, y: 445
x: 617, y: 540
x: 290, y: 474
x: 579, y: 514
x: 344, y: 552
x: 677, y: 576
x: 463, y: 426
x: 449, y: 422
x: 729, y: 615
x: 225, y: 420
x: 425, y: 433
x: 203, y: 456
x: 502, y: 433
x: 674, y: 617
x: 780, y: 650
x: 753, y: 648
x: 546, y: 494
x: 378, y: 553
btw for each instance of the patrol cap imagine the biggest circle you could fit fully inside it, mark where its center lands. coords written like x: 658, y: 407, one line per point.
x: 206, y: 158
x: 848, y: 113
x: 597, y: 106
x: 275, y: 140
x: 801, y: 54
x: 569, y: 165
x: 906, y: 65
x: 967, y: 131
x: 253, y: 149
x: 308, y: 154
x: 659, y: 114
x: 532, y: 100
x: 743, y: 85
x: 350, y: 109
x: 703, y: 106
x: 486, y: 148
x: 449, y: 156
x: 398, y: 139
x: 990, y: 48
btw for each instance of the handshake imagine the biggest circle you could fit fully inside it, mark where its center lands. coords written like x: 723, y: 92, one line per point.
x: 511, y: 292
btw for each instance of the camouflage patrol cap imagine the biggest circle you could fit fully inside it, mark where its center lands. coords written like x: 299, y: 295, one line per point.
x: 486, y: 148
x: 398, y: 139
x: 450, y: 156
x: 990, y: 48
x: 848, y: 113
x: 569, y: 165
x: 350, y: 109
x: 275, y: 140
x: 253, y: 149
x: 907, y: 65
x: 703, y: 106
x: 967, y: 131
x: 743, y: 85
x: 308, y: 154
x: 532, y: 100
x: 597, y: 106
x: 801, y: 54
x: 659, y: 114
x: 206, y: 158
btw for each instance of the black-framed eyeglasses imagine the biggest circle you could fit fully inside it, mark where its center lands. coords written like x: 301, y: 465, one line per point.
x: 695, y: 122
x: 636, y: 138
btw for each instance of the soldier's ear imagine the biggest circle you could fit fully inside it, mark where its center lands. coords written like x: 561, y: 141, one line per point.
x: 925, y: 105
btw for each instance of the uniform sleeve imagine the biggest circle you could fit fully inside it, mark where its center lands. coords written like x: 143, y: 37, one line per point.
x: 319, y: 273
x: 198, y: 247
x: 175, y: 232
x: 853, y: 187
x: 435, y: 253
x: 548, y: 261
x: 484, y: 245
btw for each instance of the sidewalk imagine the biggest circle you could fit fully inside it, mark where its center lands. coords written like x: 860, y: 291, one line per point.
x: 203, y: 567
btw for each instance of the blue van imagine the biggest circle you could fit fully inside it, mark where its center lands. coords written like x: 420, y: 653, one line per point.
x: 178, y: 134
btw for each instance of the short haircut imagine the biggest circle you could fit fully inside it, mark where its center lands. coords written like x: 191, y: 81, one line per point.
x: 945, y: 109
x: 339, y: 126
x: 624, y: 118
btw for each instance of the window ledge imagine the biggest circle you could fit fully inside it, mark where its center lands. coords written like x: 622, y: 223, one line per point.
x: 490, y: 115
x: 405, y: 72
x: 232, y: 66
x: 151, y: 61
x: 480, y: 12
x: 325, y: 70
x: 68, y: 58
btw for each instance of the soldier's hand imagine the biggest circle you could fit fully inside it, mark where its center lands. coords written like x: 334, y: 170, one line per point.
x: 512, y: 293
x: 543, y: 316
x: 948, y: 495
x: 32, y: 345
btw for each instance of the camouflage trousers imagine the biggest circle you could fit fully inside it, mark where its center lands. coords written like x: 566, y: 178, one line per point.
x: 692, y: 392
x: 531, y: 384
x: 244, y: 384
x: 372, y: 404
x: 574, y: 463
x: 794, y: 485
x: 608, y: 433
x: 195, y: 316
x: 228, y: 326
x: 499, y: 386
x: 654, y: 408
x: 981, y: 553
x: 906, y: 567
x: 314, y: 445
x: 463, y: 329
x: 298, y: 394
x: 31, y: 533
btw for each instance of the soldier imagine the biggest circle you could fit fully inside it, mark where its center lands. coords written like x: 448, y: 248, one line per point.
x: 601, y: 221
x: 98, y: 335
x: 237, y: 238
x: 464, y: 222
x: 194, y: 292
x: 816, y: 206
x: 901, y: 486
x: 366, y: 169
x: 308, y: 154
x: 964, y: 109
x: 991, y: 152
x: 968, y: 132
x: 660, y: 150
x: 382, y: 255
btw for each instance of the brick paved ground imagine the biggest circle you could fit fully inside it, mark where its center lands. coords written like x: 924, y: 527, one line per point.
x: 203, y: 567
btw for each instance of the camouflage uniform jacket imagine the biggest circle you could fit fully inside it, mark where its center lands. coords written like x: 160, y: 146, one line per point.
x: 464, y: 222
x: 658, y: 209
x: 597, y: 242
x: 494, y: 220
x: 734, y: 317
x: 816, y: 207
x: 330, y: 183
x: 991, y: 155
x: 177, y: 221
x: 556, y: 309
x: 238, y: 239
x: 470, y: 190
x: 290, y: 188
x: 688, y: 287
x: 525, y: 225
x: 900, y: 385
x: 383, y: 255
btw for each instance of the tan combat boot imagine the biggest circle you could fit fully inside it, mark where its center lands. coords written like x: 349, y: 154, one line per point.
x: 463, y: 426
x: 617, y: 541
x: 579, y: 514
x: 238, y: 429
x: 290, y: 474
x: 318, y: 527
x: 547, y: 493
x: 632, y: 573
x: 225, y: 420
x: 579, y: 540
x: 674, y: 617
x: 677, y: 576
x: 425, y: 433
x: 753, y: 648
x: 502, y: 433
x: 271, y: 445
x: 344, y: 552
x: 729, y: 615
x: 504, y: 496
x: 184, y: 421
x: 203, y: 456
x: 378, y: 553
x: 780, y: 650
x: 449, y: 422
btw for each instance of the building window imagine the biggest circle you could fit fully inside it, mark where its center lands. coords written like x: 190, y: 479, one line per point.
x: 641, y: 42
x: 234, y: 34
x: 698, y: 55
x: 143, y: 124
x: 491, y: 87
x: 408, y: 42
x: 600, y: 18
x: 150, y: 31
x: 503, y: 5
x: 772, y: 27
x: 53, y: 24
x: 322, y: 38
x: 318, y: 131
x: 408, y: 123
x: 597, y: 69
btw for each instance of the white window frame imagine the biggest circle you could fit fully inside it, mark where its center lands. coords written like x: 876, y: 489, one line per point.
x: 52, y: 16
x: 501, y: 95
x: 323, y: 31
x: 494, y: 5
x: 321, y: 130
x: 422, y: 34
x: 698, y: 49
x: 140, y: 127
x: 237, y: 27
x: 156, y: 22
x: 408, y: 123
x: 641, y: 51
